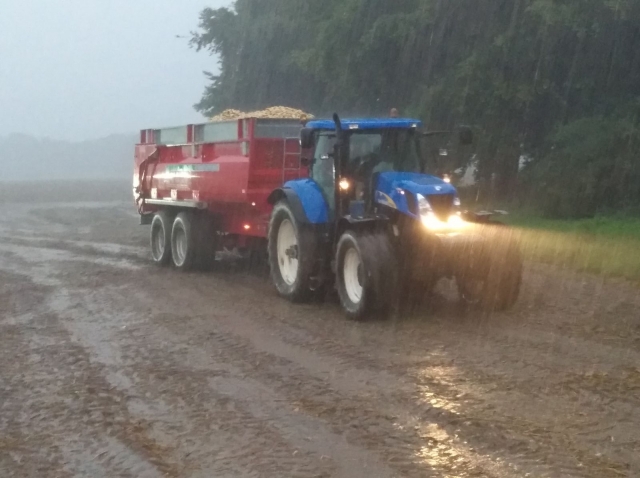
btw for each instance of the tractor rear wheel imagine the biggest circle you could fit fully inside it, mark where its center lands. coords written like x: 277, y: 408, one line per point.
x: 160, y: 238
x: 364, y: 274
x: 292, y: 249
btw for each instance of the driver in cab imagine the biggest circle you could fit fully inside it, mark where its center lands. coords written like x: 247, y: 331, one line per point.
x: 389, y: 154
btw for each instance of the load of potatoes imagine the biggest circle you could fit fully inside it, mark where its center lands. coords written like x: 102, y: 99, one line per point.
x: 274, y: 112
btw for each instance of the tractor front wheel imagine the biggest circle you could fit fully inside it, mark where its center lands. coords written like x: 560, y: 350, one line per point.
x: 364, y: 275
x: 492, y: 283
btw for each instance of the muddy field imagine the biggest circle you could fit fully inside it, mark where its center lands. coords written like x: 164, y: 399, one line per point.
x: 111, y: 367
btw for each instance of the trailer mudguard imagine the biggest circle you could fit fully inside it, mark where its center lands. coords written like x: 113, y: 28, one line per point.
x: 306, y: 200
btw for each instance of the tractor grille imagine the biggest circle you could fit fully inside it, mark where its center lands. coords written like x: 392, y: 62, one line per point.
x: 442, y: 205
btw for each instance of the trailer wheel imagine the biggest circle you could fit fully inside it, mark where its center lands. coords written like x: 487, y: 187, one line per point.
x: 292, y: 251
x: 206, y: 241
x: 364, y: 274
x: 184, y: 241
x: 495, y: 284
x: 160, y: 238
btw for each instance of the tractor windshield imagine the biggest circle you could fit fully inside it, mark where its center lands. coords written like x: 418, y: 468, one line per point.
x: 383, y: 150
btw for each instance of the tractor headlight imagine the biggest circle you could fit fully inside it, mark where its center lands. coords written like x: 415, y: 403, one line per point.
x: 423, y: 205
x: 433, y: 222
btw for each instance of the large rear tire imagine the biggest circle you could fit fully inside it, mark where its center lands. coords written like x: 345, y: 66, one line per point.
x: 292, y: 249
x: 365, y: 277
x: 160, y: 238
x: 184, y: 242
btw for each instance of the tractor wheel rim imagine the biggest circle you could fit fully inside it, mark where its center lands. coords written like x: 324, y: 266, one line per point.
x: 352, y: 271
x: 158, y: 243
x: 181, y: 246
x: 287, y: 241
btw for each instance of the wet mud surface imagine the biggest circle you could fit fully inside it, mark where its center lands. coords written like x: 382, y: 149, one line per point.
x: 110, y: 366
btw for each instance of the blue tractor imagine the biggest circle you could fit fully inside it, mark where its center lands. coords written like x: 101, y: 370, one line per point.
x: 372, y: 222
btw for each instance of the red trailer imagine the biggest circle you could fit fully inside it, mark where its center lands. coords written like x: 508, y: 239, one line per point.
x: 212, y: 180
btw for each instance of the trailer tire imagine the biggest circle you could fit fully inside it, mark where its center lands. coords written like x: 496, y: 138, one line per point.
x: 184, y: 241
x: 365, y: 274
x: 292, y: 249
x: 206, y: 241
x: 160, y: 238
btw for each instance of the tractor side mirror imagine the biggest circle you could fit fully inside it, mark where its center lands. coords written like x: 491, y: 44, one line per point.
x: 465, y: 135
x: 306, y: 138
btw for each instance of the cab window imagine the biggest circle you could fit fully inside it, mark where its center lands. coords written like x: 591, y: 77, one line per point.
x: 323, y: 168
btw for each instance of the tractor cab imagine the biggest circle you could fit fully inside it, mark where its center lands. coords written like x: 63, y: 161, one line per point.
x: 372, y: 165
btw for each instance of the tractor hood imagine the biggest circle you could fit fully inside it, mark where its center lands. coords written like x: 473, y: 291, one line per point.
x: 414, y: 183
x: 392, y: 188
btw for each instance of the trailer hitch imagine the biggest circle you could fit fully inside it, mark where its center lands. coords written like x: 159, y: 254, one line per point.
x: 141, y: 190
x: 482, y: 216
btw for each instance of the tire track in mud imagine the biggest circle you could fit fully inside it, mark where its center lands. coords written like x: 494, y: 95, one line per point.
x: 272, y: 379
x: 269, y: 443
x: 233, y: 408
x: 552, y: 436
x: 68, y: 406
x: 83, y: 248
x: 98, y: 397
x: 505, y: 383
x: 441, y: 391
x: 399, y: 424
x: 113, y: 299
x: 133, y: 435
x: 485, y: 371
x: 350, y: 384
x: 16, y: 340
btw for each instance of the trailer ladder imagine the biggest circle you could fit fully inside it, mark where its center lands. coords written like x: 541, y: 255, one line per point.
x: 290, y: 159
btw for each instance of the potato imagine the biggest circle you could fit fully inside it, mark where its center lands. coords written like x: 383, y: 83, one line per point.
x: 274, y: 112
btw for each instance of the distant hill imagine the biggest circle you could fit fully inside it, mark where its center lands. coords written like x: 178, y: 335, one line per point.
x: 24, y: 157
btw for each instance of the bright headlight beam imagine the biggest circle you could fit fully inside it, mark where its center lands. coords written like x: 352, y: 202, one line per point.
x: 433, y: 223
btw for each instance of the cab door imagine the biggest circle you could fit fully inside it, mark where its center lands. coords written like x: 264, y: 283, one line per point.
x: 323, y: 170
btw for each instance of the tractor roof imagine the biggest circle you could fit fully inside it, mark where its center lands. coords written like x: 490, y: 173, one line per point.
x: 366, y: 123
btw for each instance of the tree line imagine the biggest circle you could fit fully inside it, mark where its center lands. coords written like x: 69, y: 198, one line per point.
x: 556, y: 81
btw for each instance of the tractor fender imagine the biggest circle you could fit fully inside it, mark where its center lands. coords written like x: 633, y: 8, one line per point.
x: 306, y: 201
x: 294, y: 202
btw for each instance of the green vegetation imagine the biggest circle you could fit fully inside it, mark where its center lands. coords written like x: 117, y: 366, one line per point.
x: 598, y: 227
x: 602, y: 245
x: 557, y: 81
